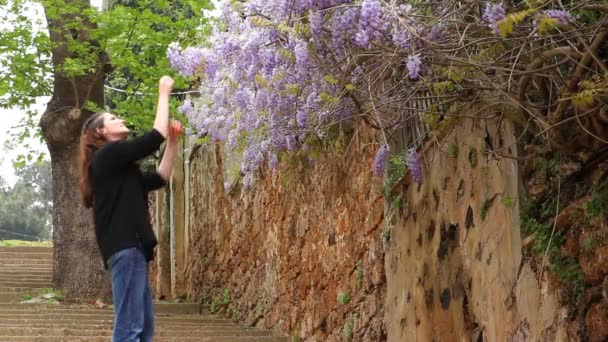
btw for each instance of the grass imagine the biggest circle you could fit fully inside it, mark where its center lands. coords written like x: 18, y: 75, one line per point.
x: 537, y: 219
x: 22, y: 243
x: 343, y: 298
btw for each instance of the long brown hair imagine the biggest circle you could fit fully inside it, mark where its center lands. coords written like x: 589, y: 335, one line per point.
x: 90, y: 141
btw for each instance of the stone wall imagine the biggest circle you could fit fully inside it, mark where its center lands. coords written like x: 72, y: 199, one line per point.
x: 289, y: 246
x: 454, y: 259
x: 313, y: 250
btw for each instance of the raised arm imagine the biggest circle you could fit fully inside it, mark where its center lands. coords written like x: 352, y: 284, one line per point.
x: 161, y: 123
x: 121, y: 153
x: 166, y: 164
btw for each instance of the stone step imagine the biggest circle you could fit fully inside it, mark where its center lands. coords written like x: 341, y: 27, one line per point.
x: 161, y: 339
x: 28, y: 270
x: 45, y: 269
x: 159, y: 308
x: 25, y: 276
x: 68, y: 318
x: 109, y: 324
x: 26, y: 263
x: 26, y: 284
x: 5, y: 256
x: 37, y: 290
x: 22, y: 270
x: 158, y: 332
x: 25, y: 249
x: 47, y: 273
x: 10, y: 296
x: 91, y: 311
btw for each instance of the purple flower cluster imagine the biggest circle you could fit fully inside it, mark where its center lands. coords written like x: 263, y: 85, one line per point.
x: 563, y: 17
x: 414, y: 65
x: 380, y: 160
x: 494, y: 13
x: 266, y: 87
x: 186, y: 107
x: 187, y: 61
x: 414, y: 165
x: 370, y: 22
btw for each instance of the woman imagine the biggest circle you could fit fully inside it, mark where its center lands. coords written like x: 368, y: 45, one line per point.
x: 113, y: 185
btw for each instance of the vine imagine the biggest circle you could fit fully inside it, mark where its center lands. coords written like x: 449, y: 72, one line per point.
x: 276, y: 75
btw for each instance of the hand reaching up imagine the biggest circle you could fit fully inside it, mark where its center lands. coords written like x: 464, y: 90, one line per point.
x: 165, y: 84
x: 175, y: 131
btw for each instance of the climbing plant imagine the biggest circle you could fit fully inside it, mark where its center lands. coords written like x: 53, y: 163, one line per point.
x: 286, y: 76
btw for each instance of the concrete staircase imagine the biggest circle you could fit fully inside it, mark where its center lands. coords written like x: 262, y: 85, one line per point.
x: 27, y: 270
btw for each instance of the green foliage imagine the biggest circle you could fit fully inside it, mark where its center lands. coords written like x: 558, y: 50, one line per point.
x: 570, y: 273
x: 343, y: 298
x: 183, y: 298
x: 386, y: 234
x: 25, y: 208
x: 227, y: 298
x: 597, y: 203
x: 51, y: 294
x: 595, y: 240
x: 546, y: 24
x: 395, y: 170
x: 548, y: 166
x: 133, y: 34
x: 215, y: 304
x: 359, y: 272
x: 538, y: 221
x: 46, y: 295
x: 507, y: 201
x: 398, y: 202
x: 506, y: 26
x: 349, y: 327
x: 453, y: 151
x: 236, y: 315
x: 483, y: 211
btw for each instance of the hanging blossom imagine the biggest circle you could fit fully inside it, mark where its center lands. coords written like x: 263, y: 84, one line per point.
x: 380, y: 161
x: 413, y: 65
x: 186, y: 107
x: 266, y: 89
x: 494, y: 13
x: 563, y: 17
x: 414, y: 165
x: 190, y: 59
x: 370, y: 22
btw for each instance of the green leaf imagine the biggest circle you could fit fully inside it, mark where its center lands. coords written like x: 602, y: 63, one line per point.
x: 546, y: 24
x: 293, y: 89
x: 330, y: 79
x: 505, y: 26
x: 584, y: 99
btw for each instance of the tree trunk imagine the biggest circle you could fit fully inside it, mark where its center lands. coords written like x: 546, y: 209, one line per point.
x: 78, y: 270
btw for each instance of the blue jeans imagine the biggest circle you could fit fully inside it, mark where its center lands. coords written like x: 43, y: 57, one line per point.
x: 133, y: 310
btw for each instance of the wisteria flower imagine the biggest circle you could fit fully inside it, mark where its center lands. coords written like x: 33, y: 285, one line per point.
x: 186, y: 107
x: 414, y: 165
x: 563, y: 17
x: 414, y: 64
x: 494, y: 13
x: 380, y: 160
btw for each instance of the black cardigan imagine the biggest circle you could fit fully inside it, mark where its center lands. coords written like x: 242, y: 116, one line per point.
x: 120, y: 195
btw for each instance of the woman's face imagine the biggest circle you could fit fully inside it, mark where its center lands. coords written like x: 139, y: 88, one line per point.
x: 113, y: 128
